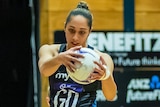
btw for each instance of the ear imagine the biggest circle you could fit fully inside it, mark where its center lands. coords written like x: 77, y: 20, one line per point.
x: 64, y: 26
x: 91, y: 29
x: 64, y: 30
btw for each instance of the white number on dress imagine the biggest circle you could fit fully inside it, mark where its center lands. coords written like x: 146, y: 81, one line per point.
x: 64, y: 102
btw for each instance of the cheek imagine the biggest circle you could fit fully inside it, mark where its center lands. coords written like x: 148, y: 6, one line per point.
x: 67, y: 38
x: 84, y: 39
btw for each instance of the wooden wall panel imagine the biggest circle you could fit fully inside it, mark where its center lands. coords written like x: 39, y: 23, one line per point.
x: 94, y: 5
x: 44, y: 91
x: 147, y: 5
x: 147, y: 21
x: 44, y: 25
x: 147, y: 14
x: 108, y: 20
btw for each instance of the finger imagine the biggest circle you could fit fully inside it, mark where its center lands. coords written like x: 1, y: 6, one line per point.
x: 102, y: 60
x: 99, y: 64
x: 76, y: 48
x: 77, y: 55
x: 94, y: 76
x: 69, y: 69
x: 75, y: 60
x: 99, y: 71
x: 72, y: 66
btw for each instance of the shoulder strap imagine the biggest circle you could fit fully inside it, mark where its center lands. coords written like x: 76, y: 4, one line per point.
x: 62, y: 48
x: 90, y: 47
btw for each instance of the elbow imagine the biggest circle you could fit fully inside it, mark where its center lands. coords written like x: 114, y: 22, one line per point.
x: 43, y: 71
x: 43, y: 74
x: 112, y: 95
x: 112, y: 98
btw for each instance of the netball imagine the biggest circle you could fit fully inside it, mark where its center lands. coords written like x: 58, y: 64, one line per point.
x: 83, y: 70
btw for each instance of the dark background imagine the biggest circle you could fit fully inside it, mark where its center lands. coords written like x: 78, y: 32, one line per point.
x: 16, y: 77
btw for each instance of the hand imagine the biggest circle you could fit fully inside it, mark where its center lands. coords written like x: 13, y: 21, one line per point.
x: 70, y: 57
x: 48, y: 100
x: 98, y: 71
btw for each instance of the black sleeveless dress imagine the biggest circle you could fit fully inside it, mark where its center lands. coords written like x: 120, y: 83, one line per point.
x: 64, y: 92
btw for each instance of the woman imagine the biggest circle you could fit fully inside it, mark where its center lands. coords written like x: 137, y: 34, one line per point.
x: 55, y: 58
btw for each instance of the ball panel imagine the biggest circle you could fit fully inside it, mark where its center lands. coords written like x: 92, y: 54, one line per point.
x: 83, y: 71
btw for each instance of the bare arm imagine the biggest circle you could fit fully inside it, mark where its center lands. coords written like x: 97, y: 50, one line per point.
x: 109, y: 87
x: 50, y: 59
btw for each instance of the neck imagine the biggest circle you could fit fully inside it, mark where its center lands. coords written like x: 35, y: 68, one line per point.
x: 68, y: 47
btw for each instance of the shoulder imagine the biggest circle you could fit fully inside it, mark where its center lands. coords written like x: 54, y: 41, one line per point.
x: 105, y: 55
x: 49, y: 49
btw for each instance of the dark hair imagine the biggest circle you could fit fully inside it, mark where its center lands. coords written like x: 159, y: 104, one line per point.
x: 81, y: 9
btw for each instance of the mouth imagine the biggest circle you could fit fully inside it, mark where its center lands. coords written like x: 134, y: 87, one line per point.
x: 75, y: 44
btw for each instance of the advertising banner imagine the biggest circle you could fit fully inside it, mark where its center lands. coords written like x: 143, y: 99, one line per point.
x: 129, y: 49
x: 135, y: 89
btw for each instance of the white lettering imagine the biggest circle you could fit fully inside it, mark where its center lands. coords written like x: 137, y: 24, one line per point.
x: 120, y: 61
x: 147, y: 41
x: 93, y: 39
x: 139, y: 84
x: 138, y: 42
x: 142, y: 96
x: 125, y: 42
x: 150, y: 61
x: 130, y: 40
x: 64, y: 76
x: 157, y: 43
x: 104, y: 42
x: 119, y: 42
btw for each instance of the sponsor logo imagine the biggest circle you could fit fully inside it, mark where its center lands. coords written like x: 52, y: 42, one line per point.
x: 144, y: 61
x: 129, y: 49
x: 143, y: 89
x: 125, y: 41
x: 63, y: 76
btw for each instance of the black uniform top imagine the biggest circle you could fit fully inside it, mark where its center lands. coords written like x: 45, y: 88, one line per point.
x: 64, y: 92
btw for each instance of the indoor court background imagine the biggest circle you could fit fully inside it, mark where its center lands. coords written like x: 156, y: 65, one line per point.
x: 27, y: 24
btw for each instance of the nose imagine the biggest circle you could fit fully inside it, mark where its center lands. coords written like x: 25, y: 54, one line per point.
x: 75, y: 37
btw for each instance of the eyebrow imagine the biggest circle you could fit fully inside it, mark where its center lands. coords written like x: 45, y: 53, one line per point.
x: 80, y: 28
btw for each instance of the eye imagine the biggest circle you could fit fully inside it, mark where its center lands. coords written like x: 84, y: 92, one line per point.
x: 82, y: 32
x: 71, y: 30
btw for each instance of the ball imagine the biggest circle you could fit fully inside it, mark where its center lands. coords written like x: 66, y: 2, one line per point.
x: 83, y: 70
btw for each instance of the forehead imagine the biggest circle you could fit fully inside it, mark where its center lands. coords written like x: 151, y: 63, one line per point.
x: 78, y: 21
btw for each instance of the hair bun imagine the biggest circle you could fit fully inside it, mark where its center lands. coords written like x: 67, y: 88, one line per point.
x: 83, y: 5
